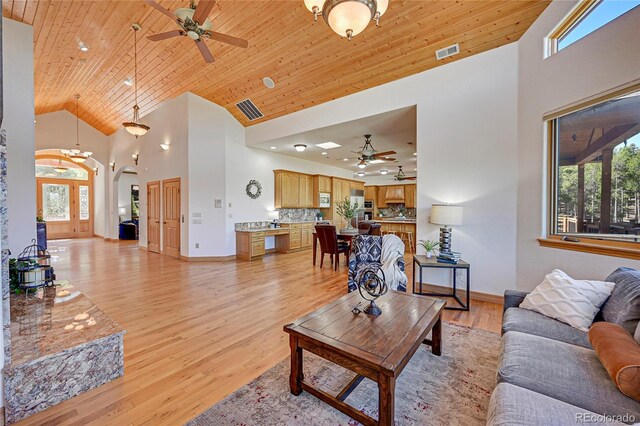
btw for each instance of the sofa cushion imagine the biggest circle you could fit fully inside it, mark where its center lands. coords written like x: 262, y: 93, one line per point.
x: 575, y: 302
x: 619, y: 354
x: 623, y: 306
x: 515, y: 406
x: 526, y: 321
x: 562, y: 371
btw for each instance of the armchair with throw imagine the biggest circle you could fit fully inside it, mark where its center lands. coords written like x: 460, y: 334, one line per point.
x: 387, y: 252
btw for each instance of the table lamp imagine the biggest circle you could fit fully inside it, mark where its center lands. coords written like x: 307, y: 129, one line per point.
x: 446, y: 215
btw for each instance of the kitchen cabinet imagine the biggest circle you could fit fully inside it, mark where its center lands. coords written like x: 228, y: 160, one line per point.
x: 324, y: 183
x: 320, y: 184
x: 410, y: 196
x: 370, y: 193
x: 394, y: 194
x: 382, y: 197
x: 305, y: 191
x: 287, y: 189
x: 307, y: 235
x: 300, y: 235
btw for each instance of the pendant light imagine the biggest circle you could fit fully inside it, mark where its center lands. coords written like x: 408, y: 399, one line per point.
x: 348, y: 18
x: 135, y: 127
x: 60, y: 168
x: 77, y: 155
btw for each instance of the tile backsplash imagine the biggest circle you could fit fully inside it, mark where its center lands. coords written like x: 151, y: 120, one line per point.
x: 394, y: 210
x: 297, y: 215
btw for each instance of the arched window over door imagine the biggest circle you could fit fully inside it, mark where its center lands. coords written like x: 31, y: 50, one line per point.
x: 64, y: 197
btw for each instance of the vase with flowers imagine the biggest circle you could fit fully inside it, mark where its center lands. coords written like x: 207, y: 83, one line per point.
x: 347, y: 210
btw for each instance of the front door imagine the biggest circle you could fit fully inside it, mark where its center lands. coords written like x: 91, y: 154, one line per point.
x: 171, y: 217
x: 65, y: 206
x: 153, y: 216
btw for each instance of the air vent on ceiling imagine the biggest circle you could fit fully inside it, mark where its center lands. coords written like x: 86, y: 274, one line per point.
x: 249, y: 109
x: 447, y: 51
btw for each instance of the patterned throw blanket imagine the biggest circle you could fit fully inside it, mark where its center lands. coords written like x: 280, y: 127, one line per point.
x: 392, y: 249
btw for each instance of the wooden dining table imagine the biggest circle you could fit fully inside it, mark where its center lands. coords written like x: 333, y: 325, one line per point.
x: 344, y: 236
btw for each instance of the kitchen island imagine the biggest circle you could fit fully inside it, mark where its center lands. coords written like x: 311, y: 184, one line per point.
x: 398, y: 225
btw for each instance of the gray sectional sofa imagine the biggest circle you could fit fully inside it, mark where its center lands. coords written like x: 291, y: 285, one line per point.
x: 548, y: 374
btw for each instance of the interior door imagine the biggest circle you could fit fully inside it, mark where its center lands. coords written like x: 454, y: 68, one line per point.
x: 153, y: 216
x: 83, y: 220
x: 171, y: 217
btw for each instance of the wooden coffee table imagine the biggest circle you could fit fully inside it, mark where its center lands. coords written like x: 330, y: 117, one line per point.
x: 374, y: 347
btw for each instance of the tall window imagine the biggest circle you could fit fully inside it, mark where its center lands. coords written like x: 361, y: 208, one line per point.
x: 596, y: 171
x: 587, y: 17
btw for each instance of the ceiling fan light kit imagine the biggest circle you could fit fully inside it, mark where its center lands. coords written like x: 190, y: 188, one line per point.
x: 135, y: 127
x: 348, y: 18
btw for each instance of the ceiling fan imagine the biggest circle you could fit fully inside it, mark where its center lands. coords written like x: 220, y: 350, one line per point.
x: 368, y: 153
x: 402, y: 176
x: 194, y: 24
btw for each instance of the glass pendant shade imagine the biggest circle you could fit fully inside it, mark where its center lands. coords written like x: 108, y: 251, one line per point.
x: 382, y: 7
x: 135, y: 127
x: 60, y: 168
x: 77, y: 158
x: 349, y: 18
x: 311, y: 4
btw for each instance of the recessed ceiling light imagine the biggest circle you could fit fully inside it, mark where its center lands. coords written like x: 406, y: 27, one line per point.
x: 268, y: 81
x: 384, y: 171
x: 328, y: 145
x: 324, y: 153
x: 128, y: 82
x: 273, y: 147
x: 300, y: 147
x: 415, y: 170
x: 361, y: 173
x: 83, y: 47
x: 345, y: 159
x: 415, y: 153
x: 376, y: 161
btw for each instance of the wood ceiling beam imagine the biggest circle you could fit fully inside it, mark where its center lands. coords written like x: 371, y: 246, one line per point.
x: 610, y: 139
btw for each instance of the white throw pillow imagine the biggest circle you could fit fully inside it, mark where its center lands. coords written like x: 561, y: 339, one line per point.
x: 575, y: 302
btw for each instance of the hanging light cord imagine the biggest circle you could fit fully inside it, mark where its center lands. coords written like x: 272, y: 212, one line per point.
x: 135, y: 64
x: 78, y: 121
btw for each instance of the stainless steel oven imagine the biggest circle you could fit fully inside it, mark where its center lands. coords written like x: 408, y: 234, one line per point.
x: 368, y: 205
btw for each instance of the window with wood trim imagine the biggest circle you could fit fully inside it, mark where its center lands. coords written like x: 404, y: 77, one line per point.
x: 587, y: 17
x: 595, y: 171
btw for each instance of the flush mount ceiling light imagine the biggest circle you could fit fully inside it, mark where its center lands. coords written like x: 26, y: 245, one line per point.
x: 361, y: 174
x: 384, y: 171
x: 135, y: 127
x: 328, y: 145
x: 164, y: 146
x: 348, y: 18
x: 362, y: 164
x: 77, y: 155
x: 300, y: 147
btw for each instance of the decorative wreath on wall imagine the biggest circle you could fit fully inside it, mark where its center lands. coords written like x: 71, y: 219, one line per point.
x: 254, y: 189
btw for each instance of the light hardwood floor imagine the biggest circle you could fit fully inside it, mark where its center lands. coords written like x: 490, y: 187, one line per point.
x: 195, y: 331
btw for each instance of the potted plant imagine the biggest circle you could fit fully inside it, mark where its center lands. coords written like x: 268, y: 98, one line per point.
x: 429, y: 246
x: 347, y: 211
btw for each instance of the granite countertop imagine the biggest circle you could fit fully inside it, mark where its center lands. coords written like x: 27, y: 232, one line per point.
x: 394, y: 220
x: 262, y: 229
x: 55, y: 319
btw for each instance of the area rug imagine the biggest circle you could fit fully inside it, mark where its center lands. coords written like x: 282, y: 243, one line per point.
x: 452, y: 389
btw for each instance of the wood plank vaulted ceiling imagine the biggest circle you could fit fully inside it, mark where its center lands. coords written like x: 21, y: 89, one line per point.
x: 309, y: 62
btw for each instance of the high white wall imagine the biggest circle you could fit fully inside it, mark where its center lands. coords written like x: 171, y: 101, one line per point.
x: 124, y: 193
x: 169, y: 124
x: 603, y: 60
x: 17, y: 51
x: 466, y: 144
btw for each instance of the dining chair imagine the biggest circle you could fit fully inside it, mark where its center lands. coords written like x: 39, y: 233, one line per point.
x: 375, y: 229
x: 329, y: 244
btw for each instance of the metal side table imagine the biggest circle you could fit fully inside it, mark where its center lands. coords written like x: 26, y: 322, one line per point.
x: 421, y: 261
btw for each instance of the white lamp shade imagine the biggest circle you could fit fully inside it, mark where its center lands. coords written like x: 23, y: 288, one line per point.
x: 349, y: 15
x: 382, y: 6
x: 313, y: 3
x: 445, y: 214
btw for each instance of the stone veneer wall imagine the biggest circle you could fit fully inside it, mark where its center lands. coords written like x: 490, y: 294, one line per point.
x: 4, y: 248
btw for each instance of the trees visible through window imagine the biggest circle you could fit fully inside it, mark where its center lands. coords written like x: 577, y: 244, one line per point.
x: 597, y: 170
x: 588, y: 17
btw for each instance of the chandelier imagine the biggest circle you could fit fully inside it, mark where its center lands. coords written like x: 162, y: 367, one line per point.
x: 60, y: 168
x: 348, y: 18
x: 76, y: 155
x: 135, y: 127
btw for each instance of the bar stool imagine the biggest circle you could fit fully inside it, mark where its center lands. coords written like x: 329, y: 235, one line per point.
x: 408, y: 237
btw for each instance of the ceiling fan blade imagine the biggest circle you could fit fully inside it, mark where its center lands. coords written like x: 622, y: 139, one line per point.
x: 387, y: 159
x: 203, y: 10
x: 204, y: 50
x: 161, y: 9
x: 226, y: 38
x: 163, y: 36
x: 384, y: 154
x: 410, y: 178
